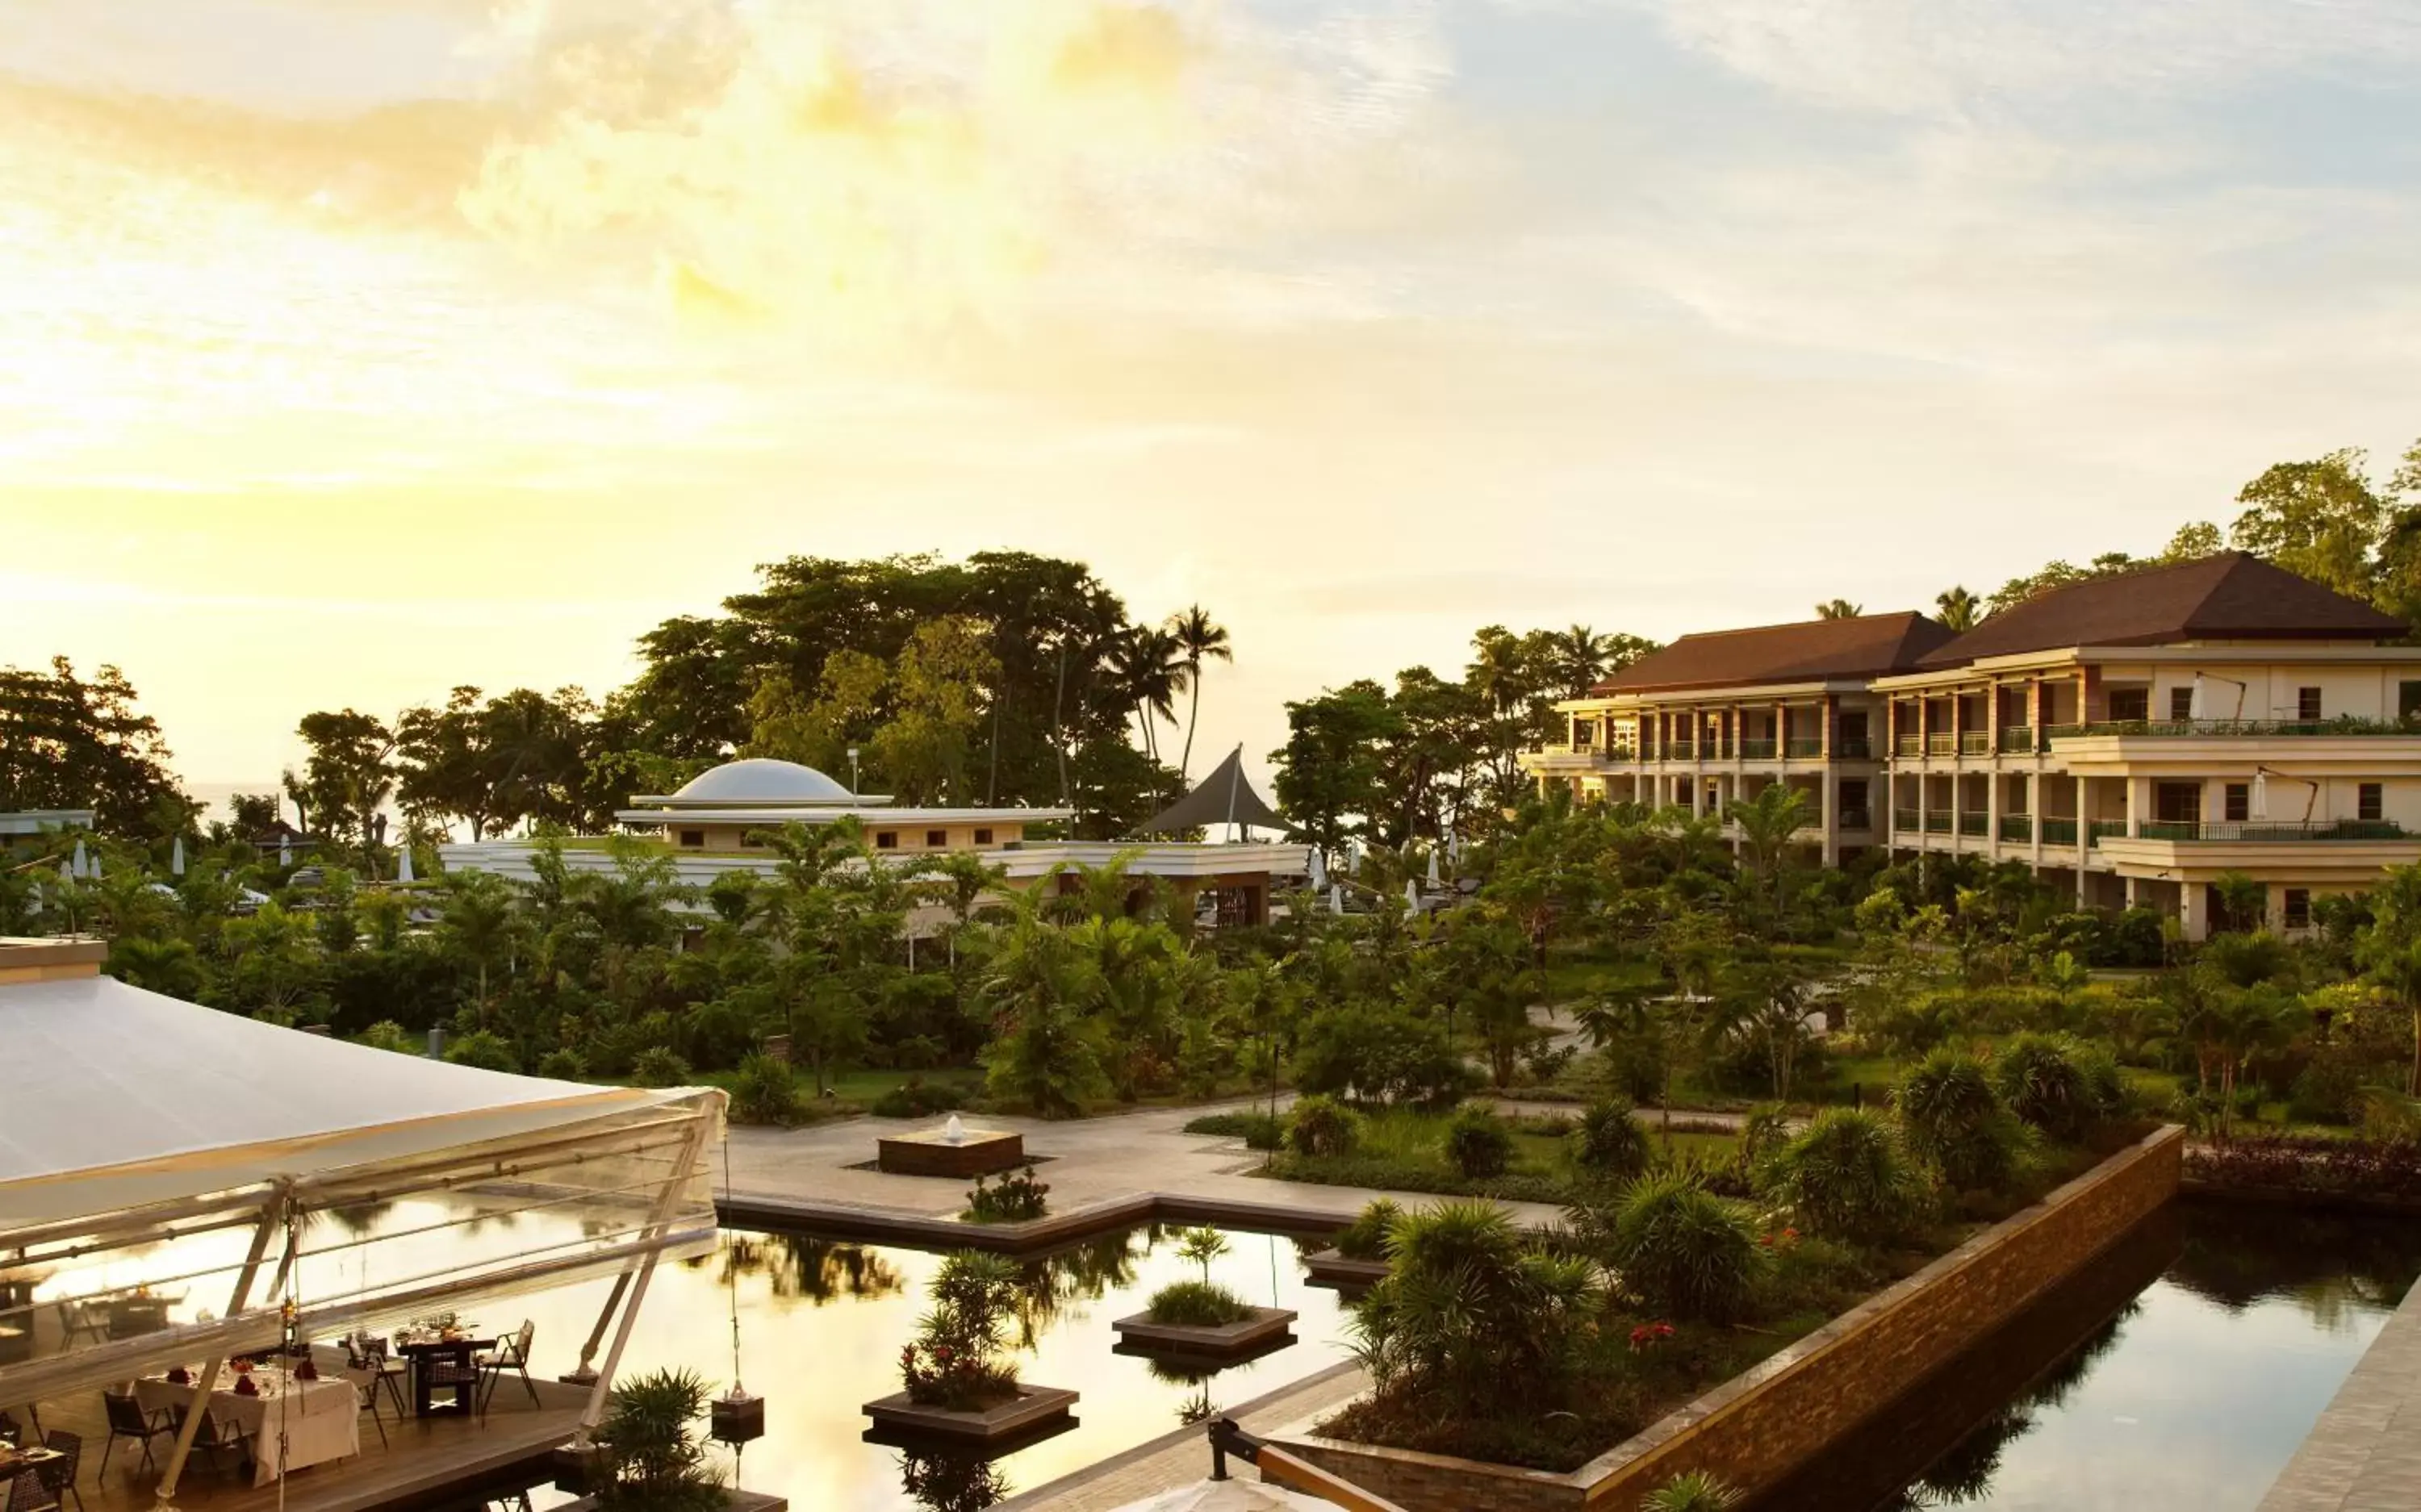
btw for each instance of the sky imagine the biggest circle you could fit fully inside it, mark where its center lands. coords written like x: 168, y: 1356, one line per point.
x: 351, y: 350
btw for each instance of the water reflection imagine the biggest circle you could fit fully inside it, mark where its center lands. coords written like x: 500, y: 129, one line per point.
x: 2180, y: 1370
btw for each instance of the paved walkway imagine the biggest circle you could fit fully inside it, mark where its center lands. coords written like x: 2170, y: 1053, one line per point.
x: 2365, y: 1452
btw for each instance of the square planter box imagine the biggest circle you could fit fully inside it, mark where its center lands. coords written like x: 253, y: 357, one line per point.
x: 980, y: 1152
x: 1327, y: 1267
x: 1139, y: 1334
x: 1031, y: 1408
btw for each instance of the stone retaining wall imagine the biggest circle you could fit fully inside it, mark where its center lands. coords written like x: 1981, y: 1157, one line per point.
x: 1753, y: 1429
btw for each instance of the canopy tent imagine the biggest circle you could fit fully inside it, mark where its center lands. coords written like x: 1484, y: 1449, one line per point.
x: 1230, y: 1496
x: 144, y: 1098
x: 1222, y: 798
x: 167, y: 1144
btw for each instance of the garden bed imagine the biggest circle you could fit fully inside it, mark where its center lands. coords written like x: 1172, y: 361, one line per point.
x: 1030, y: 1410
x: 1252, y: 1334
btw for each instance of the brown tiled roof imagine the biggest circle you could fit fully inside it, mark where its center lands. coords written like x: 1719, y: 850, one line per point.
x: 1812, y: 650
x: 2228, y: 597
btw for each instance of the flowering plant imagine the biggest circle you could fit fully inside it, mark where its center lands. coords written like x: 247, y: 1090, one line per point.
x: 1647, y: 1335
x: 956, y: 1359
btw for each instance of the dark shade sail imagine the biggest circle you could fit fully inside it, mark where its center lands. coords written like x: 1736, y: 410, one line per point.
x: 1222, y: 798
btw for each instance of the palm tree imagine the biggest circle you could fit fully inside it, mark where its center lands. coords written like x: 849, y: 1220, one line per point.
x: 1839, y: 609
x: 479, y: 923
x: 1150, y: 669
x: 1198, y: 640
x: 1767, y: 823
x: 1958, y: 609
x: 1581, y: 656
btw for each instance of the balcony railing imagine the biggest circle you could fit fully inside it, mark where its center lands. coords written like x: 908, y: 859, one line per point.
x: 1858, y: 818
x: 2017, y: 739
x: 2235, y: 830
x: 2226, y: 728
x: 1859, y: 749
x: 1804, y: 747
x: 1975, y: 743
x: 1975, y: 824
x: 1912, y: 745
x: 1936, y: 822
x: 2058, y: 832
x: 1904, y: 820
x: 2097, y: 831
x: 1943, y: 743
x: 1679, y: 750
x: 1760, y: 749
x: 2017, y: 829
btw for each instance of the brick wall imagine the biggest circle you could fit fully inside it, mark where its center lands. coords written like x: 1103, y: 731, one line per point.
x: 1756, y: 1426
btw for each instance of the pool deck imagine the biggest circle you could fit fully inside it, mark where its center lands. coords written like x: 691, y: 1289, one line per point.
x: 1104, y: 1174
x: 2365, y: 1452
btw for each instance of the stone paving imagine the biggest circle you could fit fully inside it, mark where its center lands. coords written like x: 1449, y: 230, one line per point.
x: 2365, y: 1452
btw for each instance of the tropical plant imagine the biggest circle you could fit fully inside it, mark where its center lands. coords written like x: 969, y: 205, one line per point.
x: 488, y: 1052
x: 1020, y: 1197
x: 1958, y: 609
x: 1695, y: 1491
x: 2038, y: 1077
x: 1953, y: 1120
x: 652, y: 1458
x: 1320, y: 1125
x: 656, y: 1065
x: 1845, y: 1177
x: 1610, y: 1142
x: 1472, y: 1318
x: 1201, y: 1302
x: 765, y: 1091
x: 1198, y: 640
x: 1839, y: 609
x: 956, y: 1361
x: 1368, y: 1236
x: 1478, y: 1143
x: 1679, y: 1247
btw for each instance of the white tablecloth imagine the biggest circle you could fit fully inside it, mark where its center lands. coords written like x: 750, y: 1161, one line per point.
x: 320, y: 1418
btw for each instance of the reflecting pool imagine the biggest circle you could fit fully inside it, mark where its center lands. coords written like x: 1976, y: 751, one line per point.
x: 2181, y: 1371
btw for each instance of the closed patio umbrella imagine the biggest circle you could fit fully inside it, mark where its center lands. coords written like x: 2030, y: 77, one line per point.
x: 1412, y: 894
x: 1434, y: 879
x: 403, y: 864
x: 79, y: 860
x: 177, y: 857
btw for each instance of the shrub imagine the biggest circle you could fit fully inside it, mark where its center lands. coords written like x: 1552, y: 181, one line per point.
x: 1367, y: 1237
x: 1322, y: 1126
x: 1610, y: 1140
x: 1478, y: 1143
x: 2388, y: 1168
x: 954, y: 1361
x: 388, y: 1035
x: 1845, y: 1177
x: 1952, y: 1121
x: 650, y: 1457
x: 766, y: 1091
x: 1259, y: 1130
x: 658, y: 1067
x: 1694, y: 1492
x: 1471, y: 1318
x: 915, y: 1098
x: 1679, y: 1247
x: 1019, y: 1198
x: 2039, y: 1078
x: 565, y: 1065
x: 1765, y: 1129
x: 485, y: 1049
x: 1198, y: 1304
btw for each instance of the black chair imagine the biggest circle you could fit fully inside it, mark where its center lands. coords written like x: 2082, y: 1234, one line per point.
x: 59, y: 1475
x: 216, y: 1438
x: 391, y: 1370
x: 364, y: 1372
x: 127, y: 1420
x: 513, y: 1354
x: 27, y: 1494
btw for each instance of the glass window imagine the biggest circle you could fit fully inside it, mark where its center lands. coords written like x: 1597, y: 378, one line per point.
x: 2177, y: 802
x: 693, y: 837
x: 2181, y: 705
x: 886, y: 839
x: 2408, y: 702
x: 2130, y: 705
x: 2370, y: 800
x: 2240, y: 803
x: 936, y: 839
x: 983, y: 837
x: 1853, y: 793
x: 2307, y: 704
x: 2299, y: 908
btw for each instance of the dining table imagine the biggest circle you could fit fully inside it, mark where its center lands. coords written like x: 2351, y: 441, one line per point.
x: 455, y: 1350
x: 319, y: 1420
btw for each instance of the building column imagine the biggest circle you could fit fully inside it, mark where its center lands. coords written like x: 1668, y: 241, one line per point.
x: 1827, y: 711
x: 2194, y: 910
x: 1828, y: 793
x: 2134, y: 893
x: 2081, y: 852
x: 2035, y: 807
x: 1924, y: 836
x: 1993, y: 808
x: 2139, y: 803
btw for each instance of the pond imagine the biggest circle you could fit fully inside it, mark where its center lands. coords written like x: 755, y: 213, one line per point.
x: 823, y: 1322
x: 2181, y: 1370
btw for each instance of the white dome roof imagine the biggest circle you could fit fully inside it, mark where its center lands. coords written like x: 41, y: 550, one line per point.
x: 761, y: 780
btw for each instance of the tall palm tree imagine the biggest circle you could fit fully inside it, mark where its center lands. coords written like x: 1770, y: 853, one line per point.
x: 1958, y: 609
x: 1580, y: 658
x: 1151, y: 668
x: 1198, y: 640
x: 1839, y: 609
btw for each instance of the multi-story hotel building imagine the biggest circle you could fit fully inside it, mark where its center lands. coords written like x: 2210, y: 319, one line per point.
x: 2135, y: 738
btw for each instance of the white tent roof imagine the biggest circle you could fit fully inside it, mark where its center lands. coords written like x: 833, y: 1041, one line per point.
x: 1231, y: 1496
x: 119, y: 1097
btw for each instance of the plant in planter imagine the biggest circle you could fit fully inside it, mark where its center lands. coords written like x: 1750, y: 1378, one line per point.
x: 1953, y: 1120
x: 1695, y: 1492
x: 1678, y: 1246
x: 651, y: 1457
x: 1019, y: 1198
x: 1846, y: 1177
x: 1366, y: 1238
x: 1478, y: 1143
x: 1202, y: 1303
x: 1322, y: 1126
x: 956, y: 1361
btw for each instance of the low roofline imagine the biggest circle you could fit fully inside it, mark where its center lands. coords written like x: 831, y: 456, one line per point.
x: 2200, y: 653
x: 675, y: 801
x: 776, y: 816
x: 1675, y: 692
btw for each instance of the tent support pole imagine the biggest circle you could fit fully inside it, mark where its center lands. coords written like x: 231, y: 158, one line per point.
x: 586, y: 1373
x: 272, y: 1214
x: 594, y: 1414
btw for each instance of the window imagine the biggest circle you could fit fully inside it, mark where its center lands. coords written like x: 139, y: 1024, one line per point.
x: 2130, y: 705
x: 2240, y: 803
x: 2181, y: 705
x: 2369, y: 802
x: 1853, y: 793
x: 2307, y: 704
x: 694, y: 838
x: 983, y: 837
x: 2177, y: 802
x: 886, y: 839
x: 2408, y: 702
x: 2299, y: 908
x: 937, y: 839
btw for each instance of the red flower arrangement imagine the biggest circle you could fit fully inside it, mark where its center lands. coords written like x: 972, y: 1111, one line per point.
x: 1647, y: 1335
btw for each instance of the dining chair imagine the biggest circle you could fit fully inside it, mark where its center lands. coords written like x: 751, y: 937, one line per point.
x: 59, y: 1475
x: 215, y: 1436
x: 513, y: 1354
x: 127, y: 1420
x: 26, y: 1493
x: 364, y: 1373
x: 390, y: 1369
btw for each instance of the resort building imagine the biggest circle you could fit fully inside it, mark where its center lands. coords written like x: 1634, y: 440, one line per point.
x: 718, y: 822
x: 1715, y: 718
x: 2135, y: 738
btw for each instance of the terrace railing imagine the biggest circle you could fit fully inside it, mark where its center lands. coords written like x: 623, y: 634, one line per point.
x: 2017, y: 829
x: 1975, y: 743
x: 2017, y: 739
x: 2058, y: 832
x: 1941, y: 743
x: 1912, y: 745
x: 1858, y: 818
x: 1757, y: 748
x: 2097, y: 831
x: 1904, y: 820
x: 2231, y: 830
x: 1937, y: 821
x: 1975, y: 824
x: 2167, y: 728
x: 1804, y: 747
x: 1858, y: 749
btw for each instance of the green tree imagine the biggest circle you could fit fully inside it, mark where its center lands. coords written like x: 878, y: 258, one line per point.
x: 2323, y: 520
x: 1042, y: 983
x: 1958, y: 609
x: 1839, y: 609
x: 1199, y: 641
x: 1767, y: 824
x: 67, y: 741
x: 348, y: 775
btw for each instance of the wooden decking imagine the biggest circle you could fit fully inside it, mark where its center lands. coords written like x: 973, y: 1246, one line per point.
x: 442, y: 1462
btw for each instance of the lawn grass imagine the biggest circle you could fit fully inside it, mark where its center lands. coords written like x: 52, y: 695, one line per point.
x: 1403, y: 1149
